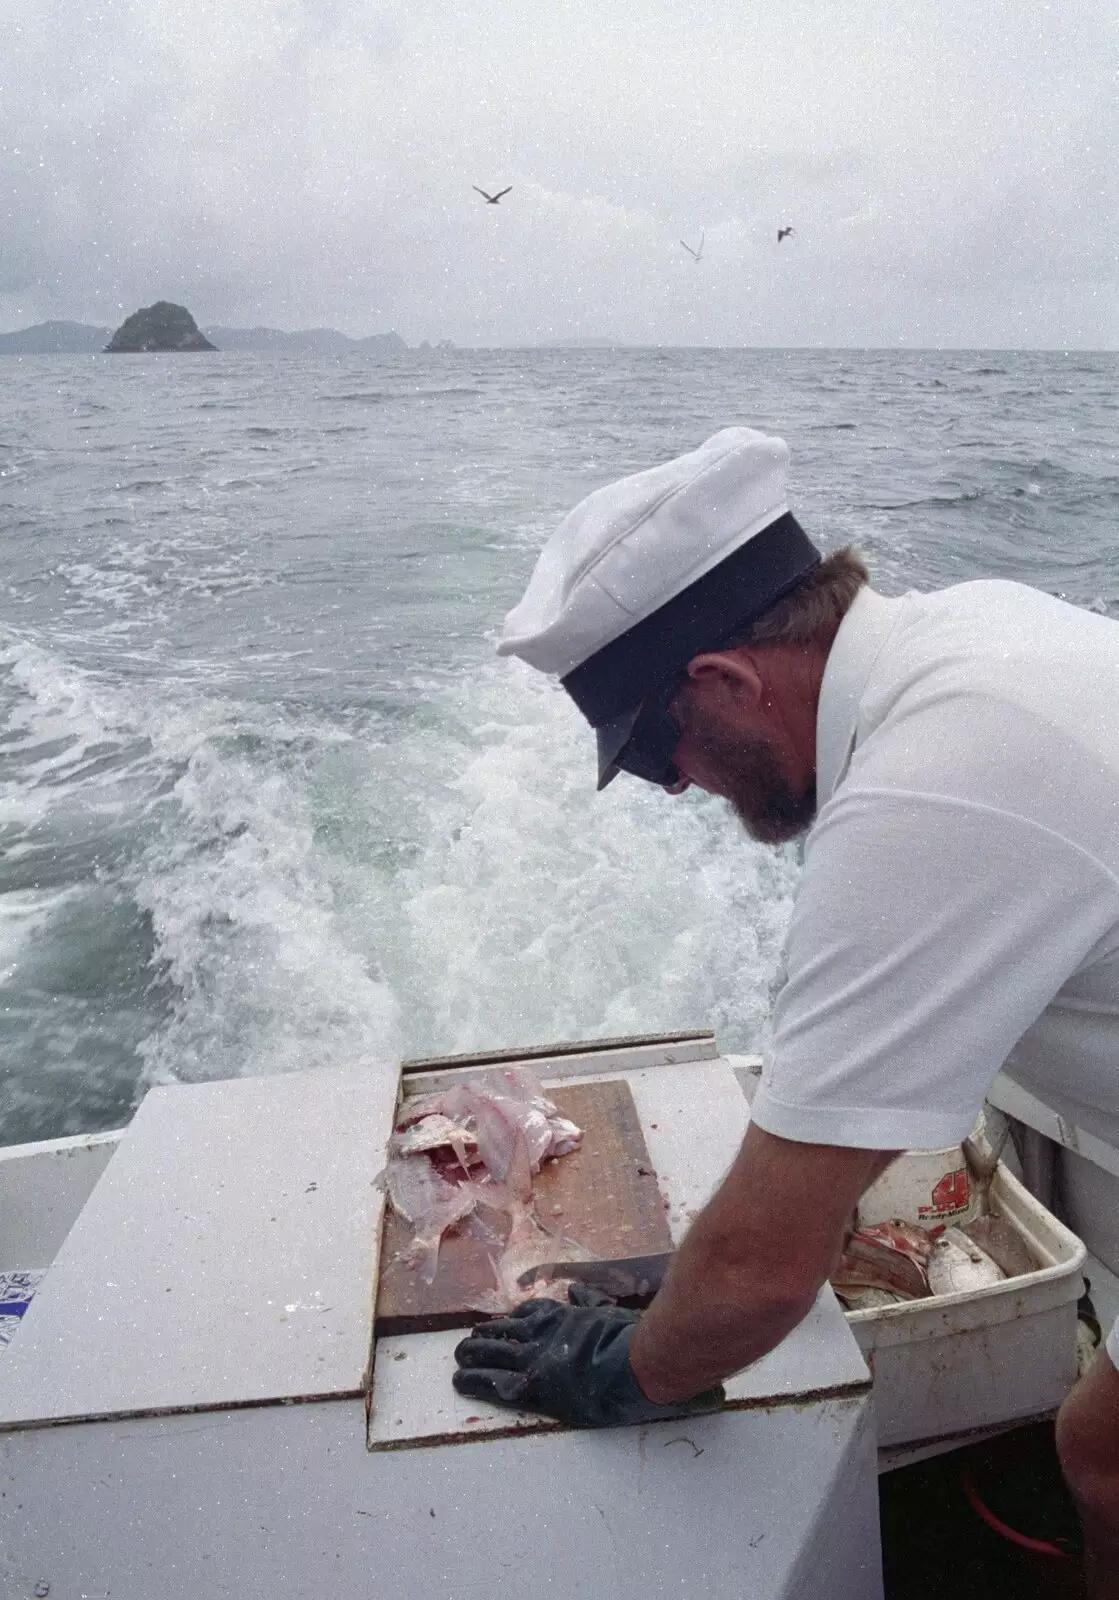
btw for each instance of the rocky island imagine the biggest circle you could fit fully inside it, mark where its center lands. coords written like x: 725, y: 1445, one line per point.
x: 160, y: 327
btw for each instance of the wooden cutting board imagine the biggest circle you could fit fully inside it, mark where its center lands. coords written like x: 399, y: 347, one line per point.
x: 605, y: 1195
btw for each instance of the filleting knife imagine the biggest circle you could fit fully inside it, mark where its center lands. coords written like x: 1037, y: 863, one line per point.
x: 625, y: 1277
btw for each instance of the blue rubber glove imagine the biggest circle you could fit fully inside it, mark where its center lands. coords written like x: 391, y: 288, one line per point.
x: 570, y: 1362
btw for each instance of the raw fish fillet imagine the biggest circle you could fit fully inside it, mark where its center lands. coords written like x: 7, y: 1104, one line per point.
x: 523, y: 1086
x: 421, y: 1105
x: 527, y: 1246
x: 512, y: 1096
x: 502, y: 1139
x: 422, y: 1196
x: 435, y: 1132
x: 957, y: 1264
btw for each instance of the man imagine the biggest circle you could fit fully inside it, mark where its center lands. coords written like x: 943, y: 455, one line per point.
x: 955, y: 757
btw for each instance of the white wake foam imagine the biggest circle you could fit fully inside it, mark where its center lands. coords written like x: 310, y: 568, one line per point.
x: 444, y: 880
x: 519, y: 906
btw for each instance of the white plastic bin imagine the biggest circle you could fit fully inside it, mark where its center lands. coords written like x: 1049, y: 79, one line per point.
x: 924, y: 1186
x: 955, y: 1362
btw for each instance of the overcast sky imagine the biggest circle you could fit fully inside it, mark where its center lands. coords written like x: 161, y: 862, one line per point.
x: 948, y: 165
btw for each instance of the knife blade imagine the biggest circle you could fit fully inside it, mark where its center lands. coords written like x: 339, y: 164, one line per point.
x: 625, y: 1277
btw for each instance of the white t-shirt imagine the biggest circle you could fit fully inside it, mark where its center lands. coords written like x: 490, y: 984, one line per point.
x: 959, y: 902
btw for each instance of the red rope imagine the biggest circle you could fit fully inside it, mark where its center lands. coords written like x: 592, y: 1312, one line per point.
x: 1040, y: 1546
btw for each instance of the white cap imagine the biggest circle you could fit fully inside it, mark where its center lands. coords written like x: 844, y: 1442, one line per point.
x: 648, y: 571
x: 628, y: 548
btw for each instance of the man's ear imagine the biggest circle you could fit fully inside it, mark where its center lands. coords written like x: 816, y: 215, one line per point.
x: 733, y: 672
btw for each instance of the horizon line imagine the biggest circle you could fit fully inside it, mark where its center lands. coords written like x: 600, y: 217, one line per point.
x: 592, y: 343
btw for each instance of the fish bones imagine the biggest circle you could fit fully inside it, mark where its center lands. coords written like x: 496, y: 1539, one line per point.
x: 422, y: 1196
x: 476, y: 1146
x: 500, y: 1101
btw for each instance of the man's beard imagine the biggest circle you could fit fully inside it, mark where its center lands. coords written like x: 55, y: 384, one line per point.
x: 767, y: 805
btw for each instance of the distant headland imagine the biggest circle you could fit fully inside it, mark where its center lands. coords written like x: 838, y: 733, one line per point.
x: 81, y: 338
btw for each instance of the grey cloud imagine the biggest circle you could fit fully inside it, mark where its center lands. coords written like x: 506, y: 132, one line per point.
x: 776, y: 169
x: 308, y: 161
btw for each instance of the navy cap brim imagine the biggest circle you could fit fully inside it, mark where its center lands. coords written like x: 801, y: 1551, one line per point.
x: 613, y: 736
x: 726, y: 599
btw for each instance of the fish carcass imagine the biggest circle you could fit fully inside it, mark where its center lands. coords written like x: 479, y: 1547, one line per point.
x: 477, y: 1145
x: 420, y: 1194
x: 1000, y: 1240
x: 958, y: 1264
x: 890, y: 1256
x: 503, y: 1100
x: 892, y: 1262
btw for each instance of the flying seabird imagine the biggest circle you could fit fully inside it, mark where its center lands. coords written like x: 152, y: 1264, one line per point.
x: 783, y: 233
x: 695, y: 254
x: 490, y: 199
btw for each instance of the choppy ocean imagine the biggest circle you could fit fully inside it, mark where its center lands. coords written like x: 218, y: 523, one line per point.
x: 267, y: 798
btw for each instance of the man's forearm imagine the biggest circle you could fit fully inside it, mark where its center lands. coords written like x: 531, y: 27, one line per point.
x: 752, y: 1264
x: 704, y: 1326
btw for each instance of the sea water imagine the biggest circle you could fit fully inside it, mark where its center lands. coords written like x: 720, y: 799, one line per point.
x: 269, y: 801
